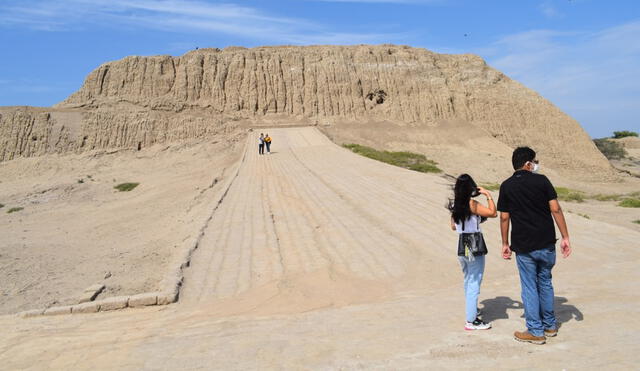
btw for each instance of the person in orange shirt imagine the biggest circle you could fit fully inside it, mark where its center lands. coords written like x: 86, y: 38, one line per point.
x: 267, y: 142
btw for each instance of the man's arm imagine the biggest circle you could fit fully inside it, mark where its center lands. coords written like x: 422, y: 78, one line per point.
x: 558, y: 216
x: 504, y: 230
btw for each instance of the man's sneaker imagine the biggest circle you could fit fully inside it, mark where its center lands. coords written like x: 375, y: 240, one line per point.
x: 477, y: 325
x: 550, y: 333
x: 528, y: 338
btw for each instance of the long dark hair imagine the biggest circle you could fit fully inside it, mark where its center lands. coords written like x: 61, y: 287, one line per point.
x: 463, y: 190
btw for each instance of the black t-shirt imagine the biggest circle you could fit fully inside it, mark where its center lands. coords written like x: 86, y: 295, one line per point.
x: 525, y: 196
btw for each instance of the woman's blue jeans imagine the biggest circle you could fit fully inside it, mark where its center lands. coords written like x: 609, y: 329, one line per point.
x: 537, y: 289
x: 473, y: 272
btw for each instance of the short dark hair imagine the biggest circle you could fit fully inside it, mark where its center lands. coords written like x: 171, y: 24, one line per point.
x: 521, y: 156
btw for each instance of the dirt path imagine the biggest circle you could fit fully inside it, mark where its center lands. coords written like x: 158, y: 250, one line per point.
x: 319, y: 258
x: 310, y: 207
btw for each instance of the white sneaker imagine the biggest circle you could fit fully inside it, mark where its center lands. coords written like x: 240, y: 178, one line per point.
x: 477, y: 325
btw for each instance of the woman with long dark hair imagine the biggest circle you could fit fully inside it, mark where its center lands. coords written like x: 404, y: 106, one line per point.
x: 466, y: 216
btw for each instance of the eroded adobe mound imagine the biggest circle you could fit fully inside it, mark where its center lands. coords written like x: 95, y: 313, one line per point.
x: 139, y: 101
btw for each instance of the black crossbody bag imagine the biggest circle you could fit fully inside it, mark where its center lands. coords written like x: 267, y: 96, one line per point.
x: 471, y: 244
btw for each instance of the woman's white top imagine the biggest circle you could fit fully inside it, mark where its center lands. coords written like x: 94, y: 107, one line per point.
x: 471, y: 225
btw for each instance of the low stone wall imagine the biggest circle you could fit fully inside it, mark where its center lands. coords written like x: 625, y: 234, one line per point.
x: 171, y: 283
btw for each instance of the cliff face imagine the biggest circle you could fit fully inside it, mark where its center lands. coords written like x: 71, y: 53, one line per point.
x: 338, y: 83
x: 28, y: 131
x: 415, y: 84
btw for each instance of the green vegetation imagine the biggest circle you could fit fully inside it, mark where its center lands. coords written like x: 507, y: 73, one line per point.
x: 610, y: 149
x: 14, y: 209
x: 1, y: 206
x: 624, y: 200
x: 637, y: 221
x: 624, y: 134
x: 491, y: 186
x: 584, y: 216
x: 126, y: 187
x: 630, y: 202
x: 570, y: 195
x: 80, y: 181
x: 612, y: 197
x: 424, y: 168
x: 407, y: 160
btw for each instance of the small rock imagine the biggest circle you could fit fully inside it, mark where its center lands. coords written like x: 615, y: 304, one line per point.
x: 107, y: 275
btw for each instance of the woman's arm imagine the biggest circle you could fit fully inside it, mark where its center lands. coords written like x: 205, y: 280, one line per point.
x: 488, y: 211
x: 453, y: 225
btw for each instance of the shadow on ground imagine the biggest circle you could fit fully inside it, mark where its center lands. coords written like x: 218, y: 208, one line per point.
x: 566, y: 312
x: 496, y: 308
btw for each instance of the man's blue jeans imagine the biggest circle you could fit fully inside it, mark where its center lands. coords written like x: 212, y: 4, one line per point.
x: 473, y: 272
x: 537, y: 289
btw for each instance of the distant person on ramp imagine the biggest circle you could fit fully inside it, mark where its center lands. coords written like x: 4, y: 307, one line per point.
x: 528, y: 201
x: 267, y: 142
x: 261, y: 144
x: 466, y: 216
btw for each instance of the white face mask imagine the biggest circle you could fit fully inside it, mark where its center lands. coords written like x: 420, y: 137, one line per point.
x: 536, y: 167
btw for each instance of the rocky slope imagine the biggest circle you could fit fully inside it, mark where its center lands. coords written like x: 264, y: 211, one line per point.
x: 141, y: 100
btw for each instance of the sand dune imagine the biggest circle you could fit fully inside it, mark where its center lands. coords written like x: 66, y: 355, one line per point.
x: 321, y: 259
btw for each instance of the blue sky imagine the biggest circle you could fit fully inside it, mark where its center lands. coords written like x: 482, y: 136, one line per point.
x: 583, y: 55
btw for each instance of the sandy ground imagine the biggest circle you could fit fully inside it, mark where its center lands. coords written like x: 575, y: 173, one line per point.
x: 605, y: 211
x: 321, y: 259
x: 77, y: 230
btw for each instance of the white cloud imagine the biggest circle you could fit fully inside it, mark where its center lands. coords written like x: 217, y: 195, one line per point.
x: 181, y: 16
x: 595, y: 77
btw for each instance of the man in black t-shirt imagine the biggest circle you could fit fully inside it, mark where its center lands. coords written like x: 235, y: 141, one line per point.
x: 529, y: 203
